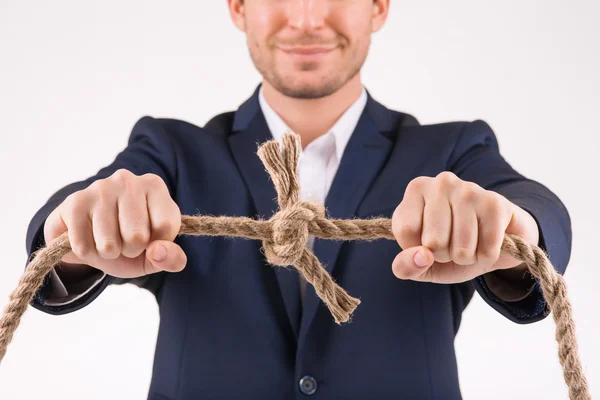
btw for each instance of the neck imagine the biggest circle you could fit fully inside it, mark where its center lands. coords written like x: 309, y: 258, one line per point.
x: 311, y: 118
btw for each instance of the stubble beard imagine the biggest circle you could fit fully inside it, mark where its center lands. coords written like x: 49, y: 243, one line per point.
x: 286, y: 85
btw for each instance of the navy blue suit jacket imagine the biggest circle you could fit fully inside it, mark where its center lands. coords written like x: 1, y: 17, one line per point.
x: 231, y: 326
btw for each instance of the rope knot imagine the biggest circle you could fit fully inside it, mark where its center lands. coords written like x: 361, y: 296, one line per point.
x: 290, y: 231
x: 285, y: 242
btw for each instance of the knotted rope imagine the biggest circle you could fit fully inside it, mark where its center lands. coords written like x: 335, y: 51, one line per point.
x: 284, y: 237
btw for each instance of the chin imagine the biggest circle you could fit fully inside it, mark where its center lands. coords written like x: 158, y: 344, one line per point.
x: 307, y: 92
x: 311, y: 88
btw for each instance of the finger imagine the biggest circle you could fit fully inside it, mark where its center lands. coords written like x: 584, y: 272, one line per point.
x: 465, y: 231
x: 407, y: 220
x: 71, y: 258
x: 450, y: 272
x: 412, y: 263
x: 76, y: 216
x: 134, y: 222
x: 82, y: 242
x: 437, y: 226
x: 523, y: 224
x: 105, y: 225
x: 164, y: 214
x: 517, y: 225
x: 494, y: 217
x: 54, y: 226
x: 164, y: 255
x: 144, y: 264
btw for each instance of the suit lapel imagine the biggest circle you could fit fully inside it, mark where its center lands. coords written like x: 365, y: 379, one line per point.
x: 363, y: 158
x: 249, y: 131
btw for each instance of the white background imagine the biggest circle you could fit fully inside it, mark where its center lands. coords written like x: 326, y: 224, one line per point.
x: 75, y: 76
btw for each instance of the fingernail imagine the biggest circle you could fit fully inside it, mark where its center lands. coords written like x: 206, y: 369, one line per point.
x: 420, y: 259
x: 159, y: 253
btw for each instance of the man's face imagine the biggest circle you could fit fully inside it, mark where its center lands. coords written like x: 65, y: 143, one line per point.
x: 308, y: 48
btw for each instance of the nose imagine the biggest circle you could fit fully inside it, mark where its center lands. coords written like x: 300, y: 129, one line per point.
x: 307, y: 15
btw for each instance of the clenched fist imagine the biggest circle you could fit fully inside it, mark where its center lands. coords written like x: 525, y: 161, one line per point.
x: 451, y: 230
x: 123, y: 225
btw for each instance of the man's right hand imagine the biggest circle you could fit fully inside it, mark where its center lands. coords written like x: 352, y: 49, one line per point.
x: 121, y: 225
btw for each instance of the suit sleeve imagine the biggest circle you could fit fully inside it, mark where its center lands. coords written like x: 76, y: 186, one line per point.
x: 148, y: 151
x: 476, y: 157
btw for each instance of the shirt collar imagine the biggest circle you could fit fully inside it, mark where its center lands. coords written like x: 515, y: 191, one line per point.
x: 341, y: 130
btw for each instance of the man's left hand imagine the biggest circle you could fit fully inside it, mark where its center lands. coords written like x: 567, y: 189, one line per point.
x: 451, y: 230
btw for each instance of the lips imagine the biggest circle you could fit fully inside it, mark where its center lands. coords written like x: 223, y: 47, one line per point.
x: 307, y: 50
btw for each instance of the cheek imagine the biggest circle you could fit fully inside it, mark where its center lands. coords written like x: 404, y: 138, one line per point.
x: 263, y: 22
x: 353, y: 26
x: 264, y: 17
x: 357, y: 20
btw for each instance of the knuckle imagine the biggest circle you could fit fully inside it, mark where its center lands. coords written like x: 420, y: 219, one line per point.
x: 136, y: 237
x: 491, y: 250
x: 496, y: 199
x: 493, y: 208
x: 417, y: 184
x: 489, y: 254
x: 446, y: 179
x: 74, y: 200
x: 166, y: 228
x: 433, y: 243
x: 407, y: 231
x: 75, y: 208
x: 462, y: 254
x: 82, y: 249
x: 108, y: 246
x: 153, y: 181
x: 122, y: 177
x: 470, y: 193
x: 94, y: 186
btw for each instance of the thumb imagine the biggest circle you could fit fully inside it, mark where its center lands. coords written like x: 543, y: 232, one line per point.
x: 164, y: 255
x: 412, y: 262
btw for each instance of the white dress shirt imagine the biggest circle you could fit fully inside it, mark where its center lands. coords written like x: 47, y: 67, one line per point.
x: 319, y: 161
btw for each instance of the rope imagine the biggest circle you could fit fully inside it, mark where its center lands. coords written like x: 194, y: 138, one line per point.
x: 284, y: 237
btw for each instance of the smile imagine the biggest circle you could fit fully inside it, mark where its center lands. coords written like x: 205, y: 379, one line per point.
x: 307, y: 50
x: 305, y: 54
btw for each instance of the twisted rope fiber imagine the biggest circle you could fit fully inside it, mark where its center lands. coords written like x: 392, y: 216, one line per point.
x: 284, y: 237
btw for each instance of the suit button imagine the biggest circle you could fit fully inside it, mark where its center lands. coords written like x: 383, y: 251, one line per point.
x: 308, y: 385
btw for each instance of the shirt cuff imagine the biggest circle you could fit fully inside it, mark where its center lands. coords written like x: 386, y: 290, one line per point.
x: 508, y: 288
x: 62, y: 293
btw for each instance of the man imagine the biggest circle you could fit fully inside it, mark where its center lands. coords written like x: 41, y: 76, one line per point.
x: 232, y: 326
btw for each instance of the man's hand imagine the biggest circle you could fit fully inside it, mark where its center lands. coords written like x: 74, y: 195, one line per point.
x: 451, y: 231
x: 124, y: 225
